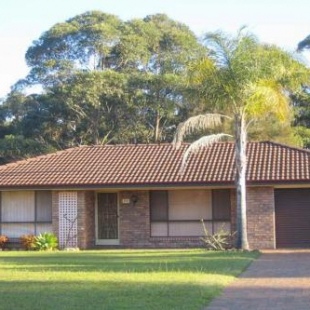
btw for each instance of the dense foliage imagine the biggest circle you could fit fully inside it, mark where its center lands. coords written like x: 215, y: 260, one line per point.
x: 104, y: 80
x: 245, y: 81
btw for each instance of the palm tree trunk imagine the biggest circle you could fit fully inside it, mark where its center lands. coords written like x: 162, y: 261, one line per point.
x: 240, y: 153
x: 157, y: 128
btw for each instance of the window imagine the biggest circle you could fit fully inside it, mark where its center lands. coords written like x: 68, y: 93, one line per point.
x: 159, y: 205
x: 221, y: 204
x: 221, y: 209
x: 179, y: 212
x: 25, y: 212
x: 159, y: 213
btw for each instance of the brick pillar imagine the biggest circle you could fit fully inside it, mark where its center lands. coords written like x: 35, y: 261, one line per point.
x: 134, y: 219
x: 55, y: 213
x: 86, y: 219
x: 261, y: 217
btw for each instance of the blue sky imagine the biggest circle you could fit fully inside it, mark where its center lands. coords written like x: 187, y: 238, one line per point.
x: 284, y: 22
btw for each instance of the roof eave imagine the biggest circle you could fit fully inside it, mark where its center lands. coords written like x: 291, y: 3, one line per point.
x: 122, y: 186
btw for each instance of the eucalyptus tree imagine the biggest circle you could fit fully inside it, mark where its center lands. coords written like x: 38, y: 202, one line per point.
x: 302, y: 116
x: 150, y: 54
x: 99, y: 102
x: 302, y: 103
x: 82, y: 43
x: 45, y: 118
x: 247, y: 80
x: 21, y: 130
x: 162, y: 48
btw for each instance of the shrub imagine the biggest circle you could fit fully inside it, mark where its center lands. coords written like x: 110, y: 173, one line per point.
x: 28, y: 242
x: 3, y: 240
x: 46, y: 241
x: 219, y: 241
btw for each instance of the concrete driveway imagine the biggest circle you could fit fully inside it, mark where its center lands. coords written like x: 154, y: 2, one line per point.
x: 278, y: 280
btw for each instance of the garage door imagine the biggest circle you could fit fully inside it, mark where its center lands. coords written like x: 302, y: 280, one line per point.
x: 292, y: 208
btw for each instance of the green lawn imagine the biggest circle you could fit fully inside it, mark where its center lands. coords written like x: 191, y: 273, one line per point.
x: 118, y: 279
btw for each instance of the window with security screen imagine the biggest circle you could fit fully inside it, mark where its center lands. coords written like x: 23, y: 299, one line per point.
x: 159, y: 213
x: 25, y: 213
x: 221, y: 204
x: 178, y: 213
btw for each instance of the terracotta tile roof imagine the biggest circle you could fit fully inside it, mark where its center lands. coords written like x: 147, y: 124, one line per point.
x: 151, y: 165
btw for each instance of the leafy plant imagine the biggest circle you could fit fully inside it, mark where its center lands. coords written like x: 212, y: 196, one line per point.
x: 28, y: 242
x: 219, y: 241
x: 3, y: 240
x: 46, y: 241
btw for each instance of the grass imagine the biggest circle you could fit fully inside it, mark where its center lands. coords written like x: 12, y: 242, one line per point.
x: 118, y: 279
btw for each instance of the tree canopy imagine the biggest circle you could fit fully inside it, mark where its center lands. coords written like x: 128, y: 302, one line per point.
x: 247, y: 81
x: 105, y: 80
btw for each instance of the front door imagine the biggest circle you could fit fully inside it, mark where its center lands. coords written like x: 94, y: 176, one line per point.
x: 107, y: 219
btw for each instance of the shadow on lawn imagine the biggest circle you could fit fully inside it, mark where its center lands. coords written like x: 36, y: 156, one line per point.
x: 105, y: 295
x: 208, y: 262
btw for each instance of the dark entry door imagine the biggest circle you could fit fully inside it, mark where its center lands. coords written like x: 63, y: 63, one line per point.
x: 292, y: 208
x: 107, y: 217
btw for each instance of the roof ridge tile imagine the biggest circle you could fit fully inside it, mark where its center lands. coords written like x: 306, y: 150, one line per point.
x: 134, y: 164
x: 39, y: 157
x: 284, y: 146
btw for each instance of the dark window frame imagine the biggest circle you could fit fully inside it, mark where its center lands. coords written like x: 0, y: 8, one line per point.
x: 168, y: 221
x: 222, y: 193
x: 35, y: 223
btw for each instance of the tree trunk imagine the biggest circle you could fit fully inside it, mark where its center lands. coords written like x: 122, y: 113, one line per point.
x: 157, y: 128
x: 240, y: 153
x: 95, y: 123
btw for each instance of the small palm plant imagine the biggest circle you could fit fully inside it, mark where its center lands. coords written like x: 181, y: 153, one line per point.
x: 219, y: 241
x: 46, y: 241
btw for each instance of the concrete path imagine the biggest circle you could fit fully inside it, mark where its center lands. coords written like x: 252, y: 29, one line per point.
x: 278, y: 280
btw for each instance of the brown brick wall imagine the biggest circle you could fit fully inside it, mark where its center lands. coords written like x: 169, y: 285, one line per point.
x: 135, y: 227
x: 86, y: 219
x: 261, y: 217
x: 175, y: 242
x: 55, y: 212
x: 134, y: 219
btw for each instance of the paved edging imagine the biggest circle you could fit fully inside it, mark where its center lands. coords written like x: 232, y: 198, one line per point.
x: 277, y: 280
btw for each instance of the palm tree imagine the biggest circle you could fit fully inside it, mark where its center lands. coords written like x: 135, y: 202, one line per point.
x: 245, y: 80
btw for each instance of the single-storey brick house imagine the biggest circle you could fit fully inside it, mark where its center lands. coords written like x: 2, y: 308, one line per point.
x: 135, y: 196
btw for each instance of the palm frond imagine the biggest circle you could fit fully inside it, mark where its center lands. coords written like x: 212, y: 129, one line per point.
x: 200, y: 143
x: 196, y: 123
x: 267, y: 96
x: 201, y: 70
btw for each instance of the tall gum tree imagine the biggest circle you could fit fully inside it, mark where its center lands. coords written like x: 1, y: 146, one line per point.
x: 247, y: 81
x: 162, y: 49
x: 84, y: 42
x: 151, y: 54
